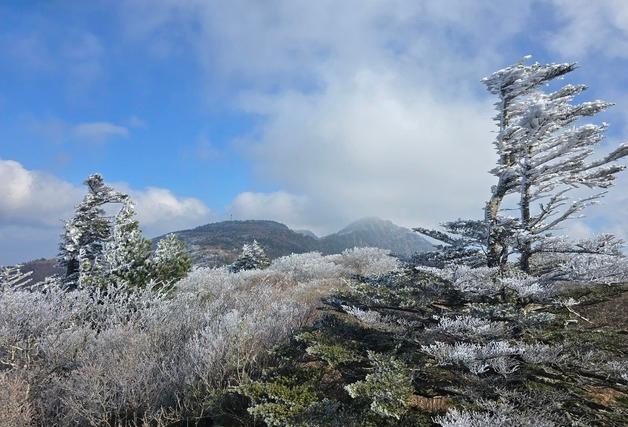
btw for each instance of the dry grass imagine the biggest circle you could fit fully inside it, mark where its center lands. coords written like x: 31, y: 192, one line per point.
x: 15, y: 407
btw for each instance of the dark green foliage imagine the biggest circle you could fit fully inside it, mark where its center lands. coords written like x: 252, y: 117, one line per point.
x: 334, y: 352
x: 389, y: 387
x: 409, y: 347
x: 252, y: 257
x: 171, y: 262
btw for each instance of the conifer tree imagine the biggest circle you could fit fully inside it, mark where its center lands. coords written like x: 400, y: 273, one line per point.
x: 83, y: 240
x: 171, y: 261
x: 512, y: 85
x: 126, y: 254
x: 543, y: 156
x: 98, y: 250
x: 252, y: 257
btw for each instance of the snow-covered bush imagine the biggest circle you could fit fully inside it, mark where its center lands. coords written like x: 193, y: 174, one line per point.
x: 372, y: 262
x: 469, y: 326
x: 15, y: 405
x: 501, y: 413
x: 308, y: 266
x: 108, y: 356
x: 171, y: 262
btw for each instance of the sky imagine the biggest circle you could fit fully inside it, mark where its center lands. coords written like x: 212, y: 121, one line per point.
x: 311, y: 113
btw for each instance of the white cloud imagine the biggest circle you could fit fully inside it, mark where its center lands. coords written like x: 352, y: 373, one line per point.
x: 367, y: 107
x: 277, y: 206
x: 59, y: 131
x: 33, y: 205
x: 99, y: 131
x: 375, y: 145
x: 160, y: 211
x: 33, y: 198
x: 591, y: 27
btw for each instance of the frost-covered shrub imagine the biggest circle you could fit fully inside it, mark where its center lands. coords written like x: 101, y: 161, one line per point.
x: 480, y: 281
x: 497, y: 415
x: 308, y: 266
x: 469, y: 326
x: 491, y: 282
x: 476, y: 357
x: 110, y: 355
x: 364, y: 262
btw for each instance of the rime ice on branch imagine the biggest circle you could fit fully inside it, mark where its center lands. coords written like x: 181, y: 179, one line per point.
x: 544, y: 154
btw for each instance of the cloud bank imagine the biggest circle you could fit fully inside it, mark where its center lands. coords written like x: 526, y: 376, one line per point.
x: 370, y: 107
x: 33, y: 205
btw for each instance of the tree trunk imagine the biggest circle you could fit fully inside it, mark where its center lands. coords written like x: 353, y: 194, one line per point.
x: 497, y: 248
x: 526, y: 247
x: 497, y: 253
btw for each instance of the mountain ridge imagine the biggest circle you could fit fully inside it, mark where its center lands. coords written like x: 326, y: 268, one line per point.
x: 219, y: 243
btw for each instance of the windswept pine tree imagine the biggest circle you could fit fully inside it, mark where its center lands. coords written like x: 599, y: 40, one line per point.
x: 83, y: 240
x: 99, y: 250
x: 546, y: 159
x: 544, y: 156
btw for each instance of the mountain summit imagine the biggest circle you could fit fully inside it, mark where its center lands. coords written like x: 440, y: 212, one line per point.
x: 375, y: 232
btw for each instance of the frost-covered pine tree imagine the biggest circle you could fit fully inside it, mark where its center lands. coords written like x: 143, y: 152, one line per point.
x: 99, y: 250
x: 12, y: 277
x: 512, y: 85
x: 252, y: 257
x: 463, y: 241
x: 83, y: 240
x: 543, y: 155
x: 171, y: 261
x: 126, y: 254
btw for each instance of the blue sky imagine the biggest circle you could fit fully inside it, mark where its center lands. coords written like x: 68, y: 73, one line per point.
x: 309, y: 113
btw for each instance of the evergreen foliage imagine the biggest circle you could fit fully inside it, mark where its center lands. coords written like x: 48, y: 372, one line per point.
x: 545, y: 155
x: 252, y: 257
x: 100, y: 250
x: 83, y: 241
x: 457, y: 346
x: 171, y: 262
x: 126, y: 254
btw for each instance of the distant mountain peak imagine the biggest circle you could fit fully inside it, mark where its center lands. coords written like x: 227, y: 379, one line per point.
x: 376, y: 232
x: 368, y: 223
x: 219, y: 243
